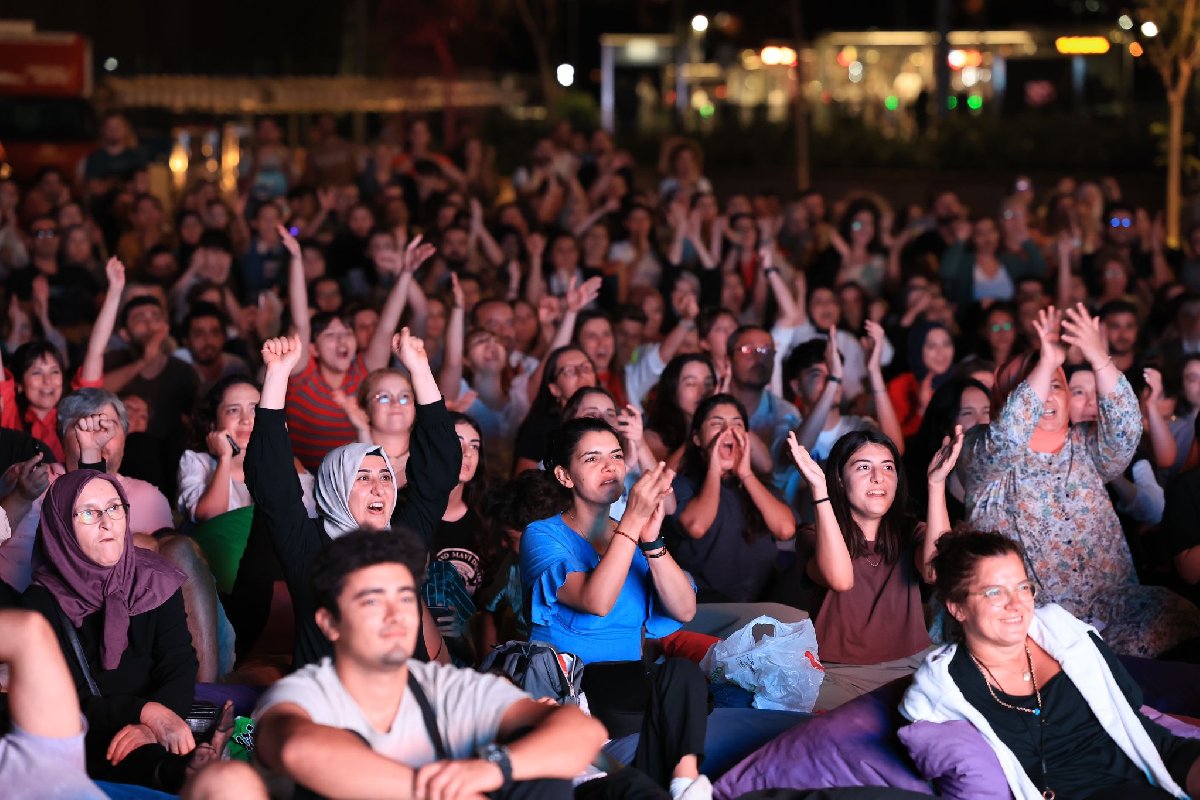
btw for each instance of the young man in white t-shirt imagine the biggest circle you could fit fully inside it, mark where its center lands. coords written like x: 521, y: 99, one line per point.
x: 371, y: 722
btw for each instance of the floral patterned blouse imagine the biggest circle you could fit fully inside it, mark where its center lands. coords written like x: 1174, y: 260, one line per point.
x: 1057, y: 506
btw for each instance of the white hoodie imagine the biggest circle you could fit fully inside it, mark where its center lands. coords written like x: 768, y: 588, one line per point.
x: 935, y: 697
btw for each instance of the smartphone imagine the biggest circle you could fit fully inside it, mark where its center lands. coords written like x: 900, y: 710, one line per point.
x: 236, y: 450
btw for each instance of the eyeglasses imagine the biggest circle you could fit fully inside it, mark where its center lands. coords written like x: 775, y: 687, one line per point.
x: 384, y: 399
x: 46, y: 233
x: 999, y: 596
x: 91, y: 516
x: 1120, y: 222
x: 1002, y: 326
x: 574, y: 370
x: 749, y: 349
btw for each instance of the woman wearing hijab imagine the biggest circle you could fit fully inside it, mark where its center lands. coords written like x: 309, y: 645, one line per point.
x: 356, y: 486
x: 118, y: 612
x: 930, y: 356
x: 1033, y: 476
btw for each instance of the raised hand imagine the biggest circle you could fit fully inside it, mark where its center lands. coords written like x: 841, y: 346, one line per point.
x: 289, y: 242
x: 725, y: 379
x: 410, y: 350
x: 354, y: 412
x: 810, y: 470
x: 417, y: 253
x: 281, y: 353
x: 741, y: 450
x: 1154, y: 382
x: 1046, y: 326
x: 456, y: 292
x: 629, y: 423
x: 872, y: 345
x: 946, y: 457
x: 327, y: 199
x: 93, y: 432
x: 464, y: 402
x: 581, y: 296
x: 689, y: 308
x: 648, y: 492
x: 1082, y: 330
x: 833, y: 359
x: 535, y: 245
x: 33, y: 478
x: 219, y: 445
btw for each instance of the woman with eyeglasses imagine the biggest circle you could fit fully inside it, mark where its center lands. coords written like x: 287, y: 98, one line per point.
x: 871, y: 557
x: 119, y: 616
x: 1034, y: 476
x: 1049, y: 697
x: 384, y: 413
x: 998, y: 333
x: 567, y: 369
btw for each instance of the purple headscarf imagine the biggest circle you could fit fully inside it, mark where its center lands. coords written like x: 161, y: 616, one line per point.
x: 141, y: 581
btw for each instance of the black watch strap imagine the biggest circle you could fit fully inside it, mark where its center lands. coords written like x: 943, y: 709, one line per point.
x: 498, y: 755
x: 650, y: 547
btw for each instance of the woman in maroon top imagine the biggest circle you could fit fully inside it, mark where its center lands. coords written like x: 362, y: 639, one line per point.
x: 871, y: 556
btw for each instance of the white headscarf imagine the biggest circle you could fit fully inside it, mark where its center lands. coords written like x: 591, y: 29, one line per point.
x: 337, y: 474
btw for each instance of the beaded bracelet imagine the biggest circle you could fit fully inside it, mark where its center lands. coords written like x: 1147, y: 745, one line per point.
x: 620, y: 532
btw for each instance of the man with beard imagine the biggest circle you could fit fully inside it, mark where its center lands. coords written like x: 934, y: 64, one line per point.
x: 330, y: 362
x: 947, y: 213
x: 373, y: 722
x: 454, y: 255
x: 1120, y: 321
x: 204, y: 346
x: 752, y: 360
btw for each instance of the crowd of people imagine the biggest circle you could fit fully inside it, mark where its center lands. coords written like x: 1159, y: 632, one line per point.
x: 427, y: 408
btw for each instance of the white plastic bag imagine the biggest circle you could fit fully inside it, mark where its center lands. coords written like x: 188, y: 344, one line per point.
x: 775, y: 660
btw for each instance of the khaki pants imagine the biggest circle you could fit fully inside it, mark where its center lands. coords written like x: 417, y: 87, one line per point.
x: 844, y: 682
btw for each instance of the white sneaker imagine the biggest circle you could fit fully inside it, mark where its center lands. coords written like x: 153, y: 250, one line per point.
x: 686, y: 789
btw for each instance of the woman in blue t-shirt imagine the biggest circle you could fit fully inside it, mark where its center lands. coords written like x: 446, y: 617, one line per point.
x: 594, y: 586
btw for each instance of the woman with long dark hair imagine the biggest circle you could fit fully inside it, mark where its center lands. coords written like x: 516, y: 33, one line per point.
x: 686, y: 381
x: 871, y: 555
x: 459, y: 537
x: 567, y: 370
x: 728, y: 520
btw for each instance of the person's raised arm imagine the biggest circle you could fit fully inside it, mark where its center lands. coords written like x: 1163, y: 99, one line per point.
x: 885, y: 412
x: 672, y: 585
x: 831, y: 565
x: 1066, y: 251
x: 214, y: 500
x: 1162, y: 442
x: 535, y: 285
x: 41, y: 693
x: 452, y: 361
x: 609, y: 206
x: 279, y: 356
x: 379, y: 348
x: 695, y: 234
x: 689, y: 310
x: 578, y: 298
x: 937, y: 516
x: 679, y: 233
x: 814, y: 421
x: 698, y: 516
x: 596, y: 592
x: 791, y: 309
x: 297, y: 303
x: 479, y: 233
x: 778, y: 517
x: 93, y: 362
x: 411, y: 352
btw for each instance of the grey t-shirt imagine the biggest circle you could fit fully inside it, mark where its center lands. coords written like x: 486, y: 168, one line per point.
x: 468, y: 706
x: 41, y: 768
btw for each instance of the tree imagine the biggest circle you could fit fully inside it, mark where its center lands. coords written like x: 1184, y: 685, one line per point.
x: 1175, y: 53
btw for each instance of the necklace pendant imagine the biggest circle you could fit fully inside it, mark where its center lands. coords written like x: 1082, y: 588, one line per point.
x: 1037, y: 712
x: 1026, y: 676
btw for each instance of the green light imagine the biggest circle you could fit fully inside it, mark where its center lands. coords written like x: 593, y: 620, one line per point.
x: 892, y: 102
x: 707, y: 110
x: 974, y: 102
x: 951, y: 102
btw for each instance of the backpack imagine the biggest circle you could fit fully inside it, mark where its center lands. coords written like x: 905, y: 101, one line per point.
x: 539, y: 669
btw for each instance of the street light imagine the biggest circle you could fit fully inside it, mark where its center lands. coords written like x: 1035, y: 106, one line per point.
x: 1125, y: 22
x: 1149, y: 29
x: 699, y: 23
x: 565, y: 74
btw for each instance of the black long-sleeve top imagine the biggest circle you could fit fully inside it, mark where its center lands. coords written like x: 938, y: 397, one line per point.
x: 434, y: 460
x: 159, y: 665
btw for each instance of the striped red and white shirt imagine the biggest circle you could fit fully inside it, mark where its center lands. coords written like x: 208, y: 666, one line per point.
x: 316, y: 423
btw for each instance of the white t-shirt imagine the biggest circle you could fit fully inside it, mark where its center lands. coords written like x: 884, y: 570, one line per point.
x: 468, y: 706
x: 195, y: 471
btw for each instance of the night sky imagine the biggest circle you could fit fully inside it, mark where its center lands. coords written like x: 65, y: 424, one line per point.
x: 309, y: 36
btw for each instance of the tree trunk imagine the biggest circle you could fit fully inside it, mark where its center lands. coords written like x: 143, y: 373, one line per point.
x: 1176, y: 98
x: 800, y: 106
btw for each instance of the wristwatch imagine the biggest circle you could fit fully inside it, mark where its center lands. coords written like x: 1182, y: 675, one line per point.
x: 650, y: 547
x: 498, y: 755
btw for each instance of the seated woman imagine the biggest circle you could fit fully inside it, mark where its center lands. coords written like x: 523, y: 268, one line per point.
x: 458, y: 538
x: 961, y: 402
x: 728, y: 520
x: 1032, y: 475
x: 356, y: 487
x: 1048, y: 695
x: 212, y: 481
x: 672, y: 403
x: 596, y: 587
x: 871, y: 556
x: 567, y: 369
x: 383, y: 414
x: 119, y: 615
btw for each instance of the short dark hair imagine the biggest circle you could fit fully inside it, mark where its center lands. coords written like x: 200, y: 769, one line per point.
x: 562, y: 442
x: 204, y: 311
x: 138, y: 302
x: 1114, y: 307
x: 742, y: 330
x: 323, y: 319
x: 958, y: 555
x: 360, y: 549
x: 802, y: 357
x: 213, y: 239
